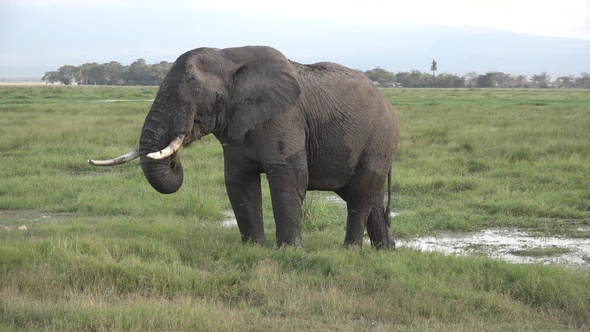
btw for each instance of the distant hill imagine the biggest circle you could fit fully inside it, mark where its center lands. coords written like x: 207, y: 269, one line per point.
x: 457, y: 50
x: 460, y: 50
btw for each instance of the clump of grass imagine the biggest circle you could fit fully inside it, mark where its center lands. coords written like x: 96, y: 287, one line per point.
x: 542, y: 251
x: 319, y: 214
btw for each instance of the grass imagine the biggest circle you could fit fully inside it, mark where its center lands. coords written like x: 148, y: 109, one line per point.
x: 496, y: 157
x: 542, y: 251
x: 103, y: 251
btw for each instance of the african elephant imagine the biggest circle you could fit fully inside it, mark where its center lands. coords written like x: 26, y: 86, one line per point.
x: 308, y: 127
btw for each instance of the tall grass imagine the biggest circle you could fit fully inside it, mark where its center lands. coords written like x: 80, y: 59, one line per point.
x: 493, y: 157
x: 103, y: 251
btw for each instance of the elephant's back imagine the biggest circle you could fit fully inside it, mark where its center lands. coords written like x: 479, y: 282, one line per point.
x: 329, y: 73
x: 348, y: 120
x: 330, y: 89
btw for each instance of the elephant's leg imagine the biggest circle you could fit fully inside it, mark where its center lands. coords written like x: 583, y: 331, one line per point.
x: 287, y: 190
x: 364, y: 202
x: 378, y: 227
x: 245, y: 196
x: 358, y: 211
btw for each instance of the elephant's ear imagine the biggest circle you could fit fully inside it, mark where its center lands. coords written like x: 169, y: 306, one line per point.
x: 264, y: 86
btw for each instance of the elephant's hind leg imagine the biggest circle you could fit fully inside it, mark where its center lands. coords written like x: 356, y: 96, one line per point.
x: 378, y: 228
x: 364, y: 201
x: 355, y: 224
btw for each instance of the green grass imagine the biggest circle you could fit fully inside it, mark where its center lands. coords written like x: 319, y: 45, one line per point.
x: 103, y: 251
x: 542, y: 251
x: 491, y: 157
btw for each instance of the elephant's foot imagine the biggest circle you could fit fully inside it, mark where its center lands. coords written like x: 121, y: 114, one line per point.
x: 389, y: 244
x: 290, y: 242
x: 378, y: 230
x: 259, y: 240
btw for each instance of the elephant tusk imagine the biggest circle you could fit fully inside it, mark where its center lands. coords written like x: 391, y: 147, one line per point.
x: 116, y: 161
x: 169, y: 150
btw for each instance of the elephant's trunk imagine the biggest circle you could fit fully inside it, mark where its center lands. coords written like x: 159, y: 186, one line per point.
x: 157, y: 138
x: 164, y: 175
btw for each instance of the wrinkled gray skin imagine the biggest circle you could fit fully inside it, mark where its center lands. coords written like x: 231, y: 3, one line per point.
x: 308, y: 127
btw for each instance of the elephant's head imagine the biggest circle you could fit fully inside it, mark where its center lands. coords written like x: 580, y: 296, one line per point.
x: 226, y: 92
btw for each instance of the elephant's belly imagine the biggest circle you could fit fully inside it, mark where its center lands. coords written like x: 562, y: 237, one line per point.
x: 327, y: 177
x: 324, y: 184
x: 330, y: 165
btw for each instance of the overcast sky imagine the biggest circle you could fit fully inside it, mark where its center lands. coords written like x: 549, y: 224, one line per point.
x: 41, y: 35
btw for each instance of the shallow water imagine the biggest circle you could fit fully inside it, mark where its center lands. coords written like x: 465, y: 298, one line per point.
x: 509, y: 244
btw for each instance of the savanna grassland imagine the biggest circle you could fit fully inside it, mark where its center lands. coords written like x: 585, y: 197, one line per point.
x: 103, y: 251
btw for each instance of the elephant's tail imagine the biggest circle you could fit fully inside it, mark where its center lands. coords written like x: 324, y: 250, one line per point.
x: 388, y: 206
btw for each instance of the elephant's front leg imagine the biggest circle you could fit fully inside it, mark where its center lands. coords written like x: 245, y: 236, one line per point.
x: 243, y: 190
x: 287, y: 190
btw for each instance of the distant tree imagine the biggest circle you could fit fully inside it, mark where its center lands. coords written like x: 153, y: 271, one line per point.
x: 566, y: 81
x: 541, y: 80
x: 137, y: 72
x: 433, y: 67
x: 157, y: 72
x: 501, y: 80
x: 486, y: 81
x: 583, y: 81
x: 403, y: 78
x: 406, y: 79
x: 84, y: 73
x: 471, y: 79
x: 52, y: 77
x: 69, y: 74
x: 114, y: 73
x: 414, y: 79
x: 97, y: 75
x: 447, y: 81
x: 382, y: 76
x: 519, y: 81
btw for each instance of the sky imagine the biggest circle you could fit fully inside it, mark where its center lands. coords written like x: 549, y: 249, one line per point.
x: 37, y: 36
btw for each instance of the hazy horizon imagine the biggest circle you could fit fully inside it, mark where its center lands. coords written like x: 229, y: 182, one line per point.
x: 37, y: 36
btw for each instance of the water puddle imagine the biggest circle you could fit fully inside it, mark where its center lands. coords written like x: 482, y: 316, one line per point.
x: 509, y: 244
x: 229, y: 219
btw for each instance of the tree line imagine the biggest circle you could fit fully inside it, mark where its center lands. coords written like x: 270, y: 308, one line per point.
x: 141, y: 73
x: 417, y: 79
x: 112, y: 73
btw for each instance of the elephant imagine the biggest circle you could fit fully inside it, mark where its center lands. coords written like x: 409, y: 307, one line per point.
x: 307, y: 127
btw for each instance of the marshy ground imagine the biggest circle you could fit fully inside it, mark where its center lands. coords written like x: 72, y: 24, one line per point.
x: 481, y: 177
